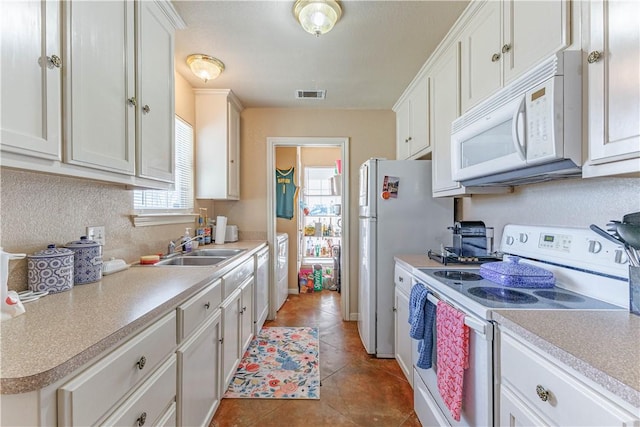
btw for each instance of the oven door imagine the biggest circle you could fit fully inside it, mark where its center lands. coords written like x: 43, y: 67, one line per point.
x: 477, y: 400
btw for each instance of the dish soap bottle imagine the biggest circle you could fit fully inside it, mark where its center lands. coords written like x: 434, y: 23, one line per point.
x: 186, y: 240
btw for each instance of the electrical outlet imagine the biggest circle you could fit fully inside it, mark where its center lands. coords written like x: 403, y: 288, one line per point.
x: 97, y: 234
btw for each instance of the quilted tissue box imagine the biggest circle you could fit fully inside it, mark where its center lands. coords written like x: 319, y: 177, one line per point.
x: 515, y: 275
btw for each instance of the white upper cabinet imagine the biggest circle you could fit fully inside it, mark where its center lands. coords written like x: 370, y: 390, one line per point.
x: 114, y: 121
x: 613, y: 98
x: 217, y: 144
x: 156, y: 154
x: 30, y: 66
x: 100, y: 85
x: 412, y: 121
x: 503, y: 39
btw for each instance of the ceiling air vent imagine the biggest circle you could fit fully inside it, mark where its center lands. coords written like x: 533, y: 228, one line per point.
x: 310, y: 94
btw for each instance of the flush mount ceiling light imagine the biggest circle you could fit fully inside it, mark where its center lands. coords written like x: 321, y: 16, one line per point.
x: 204, y: 66
x: 317, y: 16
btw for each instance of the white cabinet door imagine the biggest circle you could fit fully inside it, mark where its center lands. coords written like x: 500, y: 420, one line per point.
x: 217, y: 144
x: 246, y: 314
x: 233, y: 147
x: 444, y: 110
x: 31, y: 78
x: 402, y: 339
x: 100, y: 85
x: 402, y: 130
x: 514, y: 413
x: 155, y: 146
x: 481, y: 68
x: 533, y: 30
x: 412, y: 122
x: 199, y: 374
x: 613, y: 87
x: 231, y: 328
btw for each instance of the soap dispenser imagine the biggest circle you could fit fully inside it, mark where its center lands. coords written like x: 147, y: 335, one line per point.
x: 186, y: 240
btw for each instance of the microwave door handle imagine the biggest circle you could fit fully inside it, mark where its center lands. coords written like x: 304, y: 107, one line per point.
x: 518, y: 144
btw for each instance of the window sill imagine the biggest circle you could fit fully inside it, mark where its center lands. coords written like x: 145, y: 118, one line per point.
x: 148, y: 219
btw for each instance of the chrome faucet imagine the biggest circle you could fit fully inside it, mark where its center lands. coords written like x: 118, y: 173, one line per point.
x: 173, y: 247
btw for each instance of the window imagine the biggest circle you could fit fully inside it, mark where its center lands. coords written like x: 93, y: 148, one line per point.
x: 318, y: 195
x: 179, y: 200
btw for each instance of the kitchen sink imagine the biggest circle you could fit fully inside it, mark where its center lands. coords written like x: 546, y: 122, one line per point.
x: 226, y: 253
x: 192, y: 260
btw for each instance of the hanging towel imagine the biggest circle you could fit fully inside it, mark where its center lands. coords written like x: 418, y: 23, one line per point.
x: 421, y: 316
x: 417, y: 300
x: 452, y: 351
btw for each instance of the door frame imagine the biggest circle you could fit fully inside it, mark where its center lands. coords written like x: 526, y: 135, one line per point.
x: 320, y: 142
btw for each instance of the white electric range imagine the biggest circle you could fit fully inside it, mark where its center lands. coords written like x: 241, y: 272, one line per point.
x: 591, y: 274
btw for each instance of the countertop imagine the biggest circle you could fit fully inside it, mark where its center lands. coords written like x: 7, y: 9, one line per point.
x: 603, y: 346
x: 61, y: 332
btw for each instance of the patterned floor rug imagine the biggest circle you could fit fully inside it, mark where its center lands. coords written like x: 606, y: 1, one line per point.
x: 280, y: 363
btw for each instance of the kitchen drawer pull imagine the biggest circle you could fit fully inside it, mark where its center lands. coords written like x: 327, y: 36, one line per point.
x: 506, y: 48
x: 207, y: 305
x: 594, y: 57
x: 132, y: 101
x: 142, y: 419
x: 401, y: 279
x: 146, y: 108
x: 542, y: 393
x: 495, y: 57
x: 143, y: 361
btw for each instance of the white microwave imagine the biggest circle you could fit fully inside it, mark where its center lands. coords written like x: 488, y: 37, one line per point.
x: 529, y: 131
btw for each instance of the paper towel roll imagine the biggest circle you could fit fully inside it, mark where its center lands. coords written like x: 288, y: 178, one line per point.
x: 221, y: 229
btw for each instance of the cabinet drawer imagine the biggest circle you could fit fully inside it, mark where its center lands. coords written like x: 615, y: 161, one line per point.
x: 196, y: 310
x: 150, y: 401
x: 402, y: 279
x: 232, y: 280
x: 84, y: 399
x: 569, y: 401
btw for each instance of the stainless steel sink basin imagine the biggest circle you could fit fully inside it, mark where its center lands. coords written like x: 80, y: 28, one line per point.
x: 227, y: 253
x: 192, y: 260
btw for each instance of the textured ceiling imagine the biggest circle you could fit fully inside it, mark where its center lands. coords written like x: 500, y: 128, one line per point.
x: 365, y: 62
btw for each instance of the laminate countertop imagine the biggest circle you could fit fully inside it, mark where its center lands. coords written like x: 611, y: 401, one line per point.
x: 61, y: 332
x: 603, y: 346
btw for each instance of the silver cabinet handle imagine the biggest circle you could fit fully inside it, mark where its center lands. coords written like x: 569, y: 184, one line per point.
x: 506, y: 48
x: 142, y: 419
x: 543, y: 394
x: 207, y: 305
x: 400, y: 279
x: 594, y: 57
x: 495, y: 57
x: 54, y: 61
x: 132, y: 101
x: 146, y: 108
x: 143, y: 361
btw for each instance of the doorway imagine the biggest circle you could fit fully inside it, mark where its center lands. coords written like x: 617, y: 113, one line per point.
x: 341, y: 144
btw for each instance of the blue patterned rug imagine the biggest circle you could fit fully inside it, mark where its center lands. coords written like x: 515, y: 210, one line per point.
x: 280, y: 363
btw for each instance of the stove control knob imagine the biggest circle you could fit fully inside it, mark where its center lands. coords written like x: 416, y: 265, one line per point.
x: 621, y: 257
x: 523, y: 238
x: 594, y: 246
x: 510, y: 240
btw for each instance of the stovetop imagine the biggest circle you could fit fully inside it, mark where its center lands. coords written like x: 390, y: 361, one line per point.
x: 469, y: 288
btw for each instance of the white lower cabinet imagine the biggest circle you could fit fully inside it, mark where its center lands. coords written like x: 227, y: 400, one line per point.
x: 198, y: 394
x: 402, y: 340
x: 246, y: 313
x: 93, y: 394
x: 231, y: 326
x: 150, y: 401
x: 550, y: 393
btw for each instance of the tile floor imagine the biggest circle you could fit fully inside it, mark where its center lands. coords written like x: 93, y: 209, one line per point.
x: 357, y: 389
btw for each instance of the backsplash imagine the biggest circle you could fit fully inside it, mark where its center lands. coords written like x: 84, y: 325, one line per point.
x: 38, y: 209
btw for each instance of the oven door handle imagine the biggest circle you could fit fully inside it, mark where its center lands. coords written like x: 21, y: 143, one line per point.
x: 474, y: 324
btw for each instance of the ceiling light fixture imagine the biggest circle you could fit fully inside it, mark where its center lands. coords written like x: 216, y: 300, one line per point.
x: 204, y: 66
x: 317, y: 16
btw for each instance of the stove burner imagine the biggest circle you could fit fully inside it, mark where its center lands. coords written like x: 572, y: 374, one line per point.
x: 558, y: 296
x: 457, y: 275
x: 503, y: 295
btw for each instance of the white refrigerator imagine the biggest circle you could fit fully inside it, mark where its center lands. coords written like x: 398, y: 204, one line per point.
x: 397, y: 215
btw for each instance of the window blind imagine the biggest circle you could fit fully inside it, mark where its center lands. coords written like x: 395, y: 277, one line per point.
x: 180, y: 199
